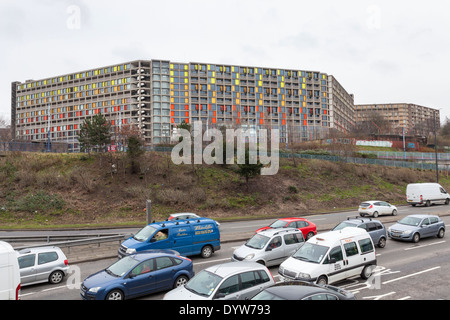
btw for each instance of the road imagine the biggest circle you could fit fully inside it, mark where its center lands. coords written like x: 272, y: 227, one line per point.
x: 405, y: 270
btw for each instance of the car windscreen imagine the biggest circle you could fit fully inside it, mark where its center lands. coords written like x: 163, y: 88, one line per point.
x: 410, y: 221
x: 343, y: 225
x: 121, y: 267
x: 311, y: 252
x: 204, y: 283
x: 257, y: 241
x: 278, y: 224
x: 145, y: 233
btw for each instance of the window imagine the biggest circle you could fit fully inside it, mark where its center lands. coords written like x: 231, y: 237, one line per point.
x: 27, y: 261
x: 335, y: 253
x: 350, y: 249
x: 143, y: 268
x: 47, y: 257
x: 293, y: 238
x: 250, y: 279
x: 230, y: 285
x: 365, y: 245
x: 163, y: 262
x: 275, y: 243
x: 434, y: 220
x: 425, y: 222
x: 322, y: 296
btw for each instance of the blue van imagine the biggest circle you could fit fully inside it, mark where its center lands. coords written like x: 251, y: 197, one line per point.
x: 188, y: 237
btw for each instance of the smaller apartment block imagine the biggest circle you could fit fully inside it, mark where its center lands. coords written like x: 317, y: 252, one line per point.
x: 415, y: 119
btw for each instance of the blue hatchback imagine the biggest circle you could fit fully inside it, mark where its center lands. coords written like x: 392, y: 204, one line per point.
x: 137, y: 275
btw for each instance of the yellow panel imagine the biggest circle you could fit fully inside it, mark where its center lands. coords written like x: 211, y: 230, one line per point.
x: 282, y: 84
x: 186, y: 80
x: 237, y: 82
x: 213, y: 81
x: 260, y: 83
x: 171, y: 66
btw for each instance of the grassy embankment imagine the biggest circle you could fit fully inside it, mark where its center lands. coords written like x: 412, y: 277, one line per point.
x: 73, y: 190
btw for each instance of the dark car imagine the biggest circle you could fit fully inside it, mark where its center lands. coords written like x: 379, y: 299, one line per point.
x: 375, y: 228
x: 299, y: 290
x: 137, y: 275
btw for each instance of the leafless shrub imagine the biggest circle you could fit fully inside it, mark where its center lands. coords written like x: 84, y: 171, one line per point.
x: 84, y: 179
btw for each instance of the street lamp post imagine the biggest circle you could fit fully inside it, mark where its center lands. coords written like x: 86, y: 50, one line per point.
x: 435, y: 149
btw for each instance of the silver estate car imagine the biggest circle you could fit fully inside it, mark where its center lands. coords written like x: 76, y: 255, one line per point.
x: 270, y: 247
x: 43, y: 264
x: 227, y: 281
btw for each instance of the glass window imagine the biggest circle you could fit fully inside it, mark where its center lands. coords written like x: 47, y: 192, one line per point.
x: 27, y: 261
x: 163, y: 262
x: 250, y: 279
x: 365, y: 245
x: 231, y: 285
x: 275, y: 243
x: 350, y: 249
x: 434, y: 220
x: 293, y: 238
x: 142, y: 268
x: 47, y: 257
x: 335, y: 253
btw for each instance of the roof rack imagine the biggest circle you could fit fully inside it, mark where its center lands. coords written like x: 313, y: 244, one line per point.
x: 359, y: 218
x: 284, y: 230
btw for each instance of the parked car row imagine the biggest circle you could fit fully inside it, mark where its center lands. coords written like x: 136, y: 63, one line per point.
x: 155, y: 259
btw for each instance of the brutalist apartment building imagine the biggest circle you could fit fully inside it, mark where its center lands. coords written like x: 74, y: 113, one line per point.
x: 155, y: 96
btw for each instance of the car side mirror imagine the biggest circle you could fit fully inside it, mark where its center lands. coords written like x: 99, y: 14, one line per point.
x: 219, y: 295
x: 332, y: 260
x: 269, y: 249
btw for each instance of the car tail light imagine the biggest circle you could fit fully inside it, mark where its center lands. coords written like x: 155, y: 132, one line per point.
x: 18, y: 291
x: 66, y: 262
x: 371, y: 206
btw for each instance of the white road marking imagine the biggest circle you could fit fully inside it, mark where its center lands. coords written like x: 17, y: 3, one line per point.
x: 411, y: 275
x: 424, y: 245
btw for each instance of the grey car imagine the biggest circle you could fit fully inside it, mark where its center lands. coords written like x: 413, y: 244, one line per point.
x: 270, y: 247
x: 375, y: 228
x: 43, y: 264
x: 228, y: 281
x: 417, y: 226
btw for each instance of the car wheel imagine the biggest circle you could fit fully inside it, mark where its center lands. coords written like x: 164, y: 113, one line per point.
x: 447, y: 201
x: 180, y: 281
x: 367, y: 272
x: 441, y: 233
x: 382, y: 242
x: 309, y: 236
x: 375, y: 214
x: 394, y: 212
x: 416, y: 237
x: 322, y: 280
x: 207, y: 252
x: 428, y: 203
x: 56, y: 277
x: 115, y: 295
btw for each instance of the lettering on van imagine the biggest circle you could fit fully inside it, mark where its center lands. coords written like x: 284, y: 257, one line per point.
x: 199, y: 230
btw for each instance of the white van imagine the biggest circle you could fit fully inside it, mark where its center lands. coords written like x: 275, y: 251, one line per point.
x: 9, y: 273
x: 332, y: 256
x: 426, y: 193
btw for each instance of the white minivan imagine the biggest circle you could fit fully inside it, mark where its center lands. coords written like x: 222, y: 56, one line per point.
x: 332, y: 256
x: 9, y: 273
x: 426, y: 193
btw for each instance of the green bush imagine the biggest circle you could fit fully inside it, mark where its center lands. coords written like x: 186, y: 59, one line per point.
x: 40, y: 201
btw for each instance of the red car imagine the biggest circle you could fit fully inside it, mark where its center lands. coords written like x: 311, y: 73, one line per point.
x: 307, y: 227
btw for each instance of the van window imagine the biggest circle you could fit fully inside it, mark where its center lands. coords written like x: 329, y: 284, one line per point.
x: 27, y: 261
x: 161, y: 235
x: 47, y: 257
x: 293, y: 238
x: 350, y: 249
x: 335, y: 253
x: 365, y: 245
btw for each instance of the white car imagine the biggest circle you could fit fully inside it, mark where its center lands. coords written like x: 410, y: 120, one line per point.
x: 376, y: 208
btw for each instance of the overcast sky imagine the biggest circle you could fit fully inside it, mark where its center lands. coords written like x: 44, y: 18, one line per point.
x: 381, y: 51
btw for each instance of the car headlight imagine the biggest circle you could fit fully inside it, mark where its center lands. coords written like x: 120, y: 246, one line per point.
x: 250, y: 256
x: 94, y: 290
x: 130, y: 251
x: 407, y: 232
x: 303, y: 276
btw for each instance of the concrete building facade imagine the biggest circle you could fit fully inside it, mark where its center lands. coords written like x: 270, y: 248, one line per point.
x: 157, y: 95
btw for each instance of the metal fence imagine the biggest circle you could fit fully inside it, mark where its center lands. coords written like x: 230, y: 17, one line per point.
x: 418, y: 156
